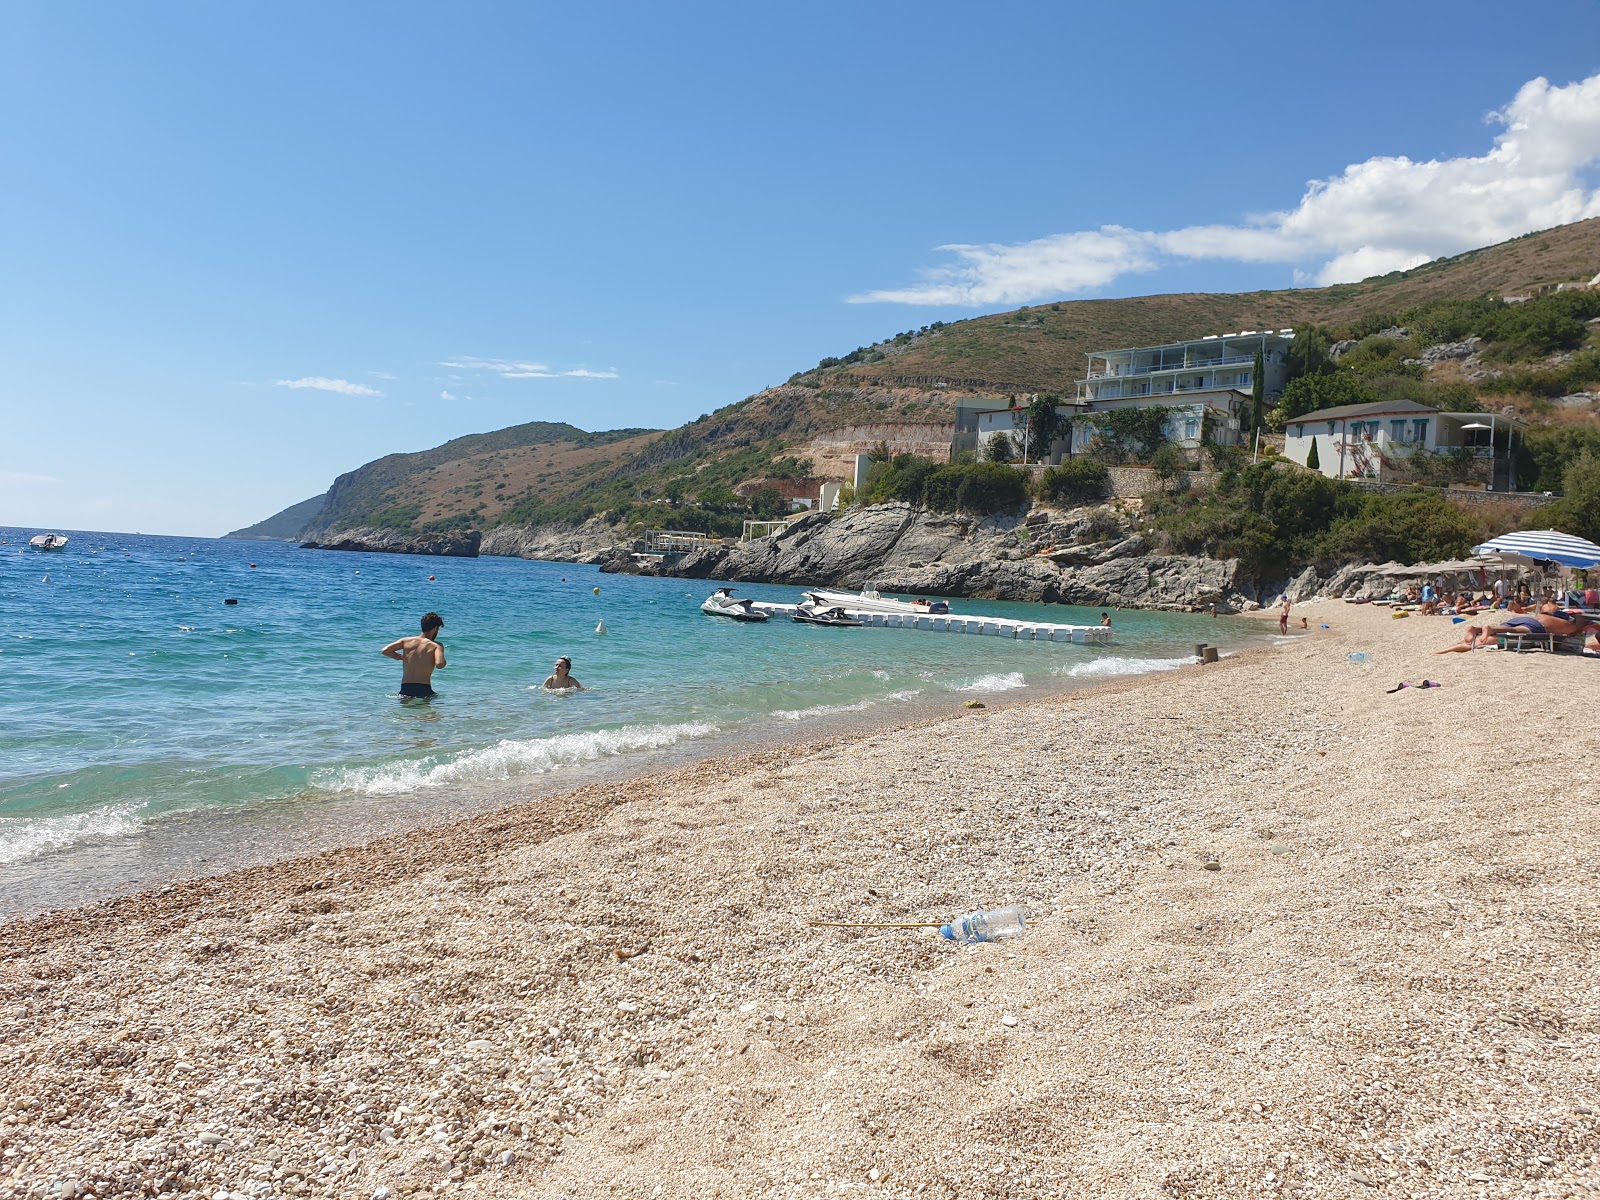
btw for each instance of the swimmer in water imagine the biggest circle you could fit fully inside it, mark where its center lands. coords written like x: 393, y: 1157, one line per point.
x: 562, y: 680
x: 420, y: 656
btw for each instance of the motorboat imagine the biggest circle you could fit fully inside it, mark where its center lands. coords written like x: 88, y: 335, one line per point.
x: 723, y: 603
x: 48, y: 541
x: 831, y: 616
x: 869, y: 599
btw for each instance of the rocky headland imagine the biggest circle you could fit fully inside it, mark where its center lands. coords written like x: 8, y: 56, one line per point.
x: 390, y: 541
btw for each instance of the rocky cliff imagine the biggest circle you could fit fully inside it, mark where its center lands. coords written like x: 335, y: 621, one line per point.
x: 589, y: 542
x: 389, y: 541
x: 1086, y: 556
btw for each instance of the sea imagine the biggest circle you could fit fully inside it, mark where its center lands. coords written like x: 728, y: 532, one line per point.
x: 174, y: 707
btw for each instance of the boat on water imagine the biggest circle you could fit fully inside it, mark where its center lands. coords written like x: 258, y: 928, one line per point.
x: 869, y: 599
x: 48, y: 541
x: 723, y: 603
x: 809, y: 612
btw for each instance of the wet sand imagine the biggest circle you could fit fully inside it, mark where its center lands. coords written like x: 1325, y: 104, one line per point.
x: 1292, y: 936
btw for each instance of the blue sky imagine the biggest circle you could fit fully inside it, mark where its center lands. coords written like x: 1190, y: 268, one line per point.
x: 248, y: 247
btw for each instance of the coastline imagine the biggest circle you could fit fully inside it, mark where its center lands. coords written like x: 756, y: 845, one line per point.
x: 615, y: 983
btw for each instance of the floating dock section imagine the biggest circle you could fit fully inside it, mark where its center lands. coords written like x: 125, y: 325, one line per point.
x: 1022, y: 631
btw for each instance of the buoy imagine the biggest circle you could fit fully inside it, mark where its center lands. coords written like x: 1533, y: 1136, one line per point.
x: 597, y: 591
x: 230, y: 601
x: 430, y: 578
x: 252, y: 566
x: 600, y: 628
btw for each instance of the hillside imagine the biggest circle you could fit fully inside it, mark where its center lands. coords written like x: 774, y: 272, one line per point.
x: 1042, y: 348
x: 286, y: 526
x: 899, y: 391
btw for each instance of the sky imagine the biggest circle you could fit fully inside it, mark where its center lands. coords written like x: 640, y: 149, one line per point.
x: 245, y: 248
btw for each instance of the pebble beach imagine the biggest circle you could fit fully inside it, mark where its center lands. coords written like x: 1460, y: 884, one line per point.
x: 1291, y: 935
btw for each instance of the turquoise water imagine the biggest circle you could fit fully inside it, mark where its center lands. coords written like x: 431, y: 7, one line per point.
x: 142, y: 716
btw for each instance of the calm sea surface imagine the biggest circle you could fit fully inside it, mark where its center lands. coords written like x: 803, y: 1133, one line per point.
x: 148, y: 730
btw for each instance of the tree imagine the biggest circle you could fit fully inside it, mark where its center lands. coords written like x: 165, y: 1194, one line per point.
x: 768, y: 503
x: 718, y: 497
x: 1578, y: 510
x: 1313, y: 463
x: 1258, y: 383
x: 999, y: 449
x: 1308, y: 353
x: 879, y: 452
x: 1044, y: 425
x: 1313, y: 393
x: 1168, y: 463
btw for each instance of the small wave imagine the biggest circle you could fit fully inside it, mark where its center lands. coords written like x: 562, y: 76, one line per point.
x: 506, y: 759
x: 993, y: 683
x: 823, y: 710
x: 1115, y: 665
x: 30, y: 837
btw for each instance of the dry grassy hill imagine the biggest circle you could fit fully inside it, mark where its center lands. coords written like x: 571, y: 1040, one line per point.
x: 1042, y: 348
x: 900, y: 390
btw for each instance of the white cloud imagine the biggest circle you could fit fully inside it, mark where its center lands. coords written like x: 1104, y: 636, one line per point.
x: 22, y: 477
x: 323, y: 384
x: 448, y: 395
x: 510, y: 369
x: 1381, y: 215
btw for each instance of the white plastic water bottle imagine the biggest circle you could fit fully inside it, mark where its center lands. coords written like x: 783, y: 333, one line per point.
x: 980, y: 926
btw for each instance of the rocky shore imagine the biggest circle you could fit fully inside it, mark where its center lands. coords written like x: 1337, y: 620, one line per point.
x: 1263, y: 961
x: 389, y: 541
x: 1084, y: 556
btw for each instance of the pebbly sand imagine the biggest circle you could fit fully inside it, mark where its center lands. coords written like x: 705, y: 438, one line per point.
x: 1389, y: 987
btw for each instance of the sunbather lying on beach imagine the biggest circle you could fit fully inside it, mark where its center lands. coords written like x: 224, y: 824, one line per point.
x: 1475, y: 638
x: 1562, y: 623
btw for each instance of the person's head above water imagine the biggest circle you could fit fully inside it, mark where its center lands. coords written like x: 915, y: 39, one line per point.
x: 563, y: 663
x: 431, y: 623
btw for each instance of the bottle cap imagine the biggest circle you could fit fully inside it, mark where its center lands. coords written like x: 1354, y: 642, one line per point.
x: 946, y: 931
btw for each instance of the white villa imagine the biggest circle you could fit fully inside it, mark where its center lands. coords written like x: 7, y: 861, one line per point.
x: 1205, y: 381
x: 1375, y: 441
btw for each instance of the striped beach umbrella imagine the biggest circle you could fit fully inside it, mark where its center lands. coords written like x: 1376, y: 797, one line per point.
x: 1544, y: 545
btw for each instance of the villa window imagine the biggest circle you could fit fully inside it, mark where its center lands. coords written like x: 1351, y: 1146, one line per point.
x: 1299, y: 431
x: 1397, y: 431
x: 1191, y: 428
x: 1331, y: 426
x: 1422, y: 430
x: 1242, y: 378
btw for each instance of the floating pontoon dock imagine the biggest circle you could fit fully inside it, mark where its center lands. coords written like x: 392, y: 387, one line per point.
x: 1026, y: 631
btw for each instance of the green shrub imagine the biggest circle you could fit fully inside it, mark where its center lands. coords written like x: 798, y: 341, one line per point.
x: 1076, y: 481
x: 986, y: 489
x: 998, y: 449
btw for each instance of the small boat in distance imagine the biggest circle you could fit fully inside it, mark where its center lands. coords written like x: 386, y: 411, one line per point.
x: 722, y: 603
x: 48, y: 541
x: 870, y: 600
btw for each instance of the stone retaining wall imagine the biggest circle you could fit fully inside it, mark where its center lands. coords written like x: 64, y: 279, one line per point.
x: 1129, y: 483
x: 1465, y: 495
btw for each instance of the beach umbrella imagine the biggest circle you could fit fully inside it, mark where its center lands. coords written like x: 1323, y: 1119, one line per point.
x: 1543, y: 545
x: 1544, y: 548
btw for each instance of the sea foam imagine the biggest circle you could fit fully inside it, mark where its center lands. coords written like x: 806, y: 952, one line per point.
x: 506, y: 759
x: 993, y: 683
x: 1117, y: 665
x: 22, y: 838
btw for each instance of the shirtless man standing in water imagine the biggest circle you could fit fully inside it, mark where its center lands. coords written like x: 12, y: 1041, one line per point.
x: 421, y: 655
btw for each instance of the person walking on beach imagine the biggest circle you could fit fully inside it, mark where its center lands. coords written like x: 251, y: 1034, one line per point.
x: 1283, y: 615
x: 421, y: 656
x: 563, y: 680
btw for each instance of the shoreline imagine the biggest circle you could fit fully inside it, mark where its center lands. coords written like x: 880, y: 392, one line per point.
x: 207, y: 843
x: 1388, y: 983
x: 489, y: 802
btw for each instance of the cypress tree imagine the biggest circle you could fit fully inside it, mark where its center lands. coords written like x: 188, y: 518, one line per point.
x: 1312, y: 461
